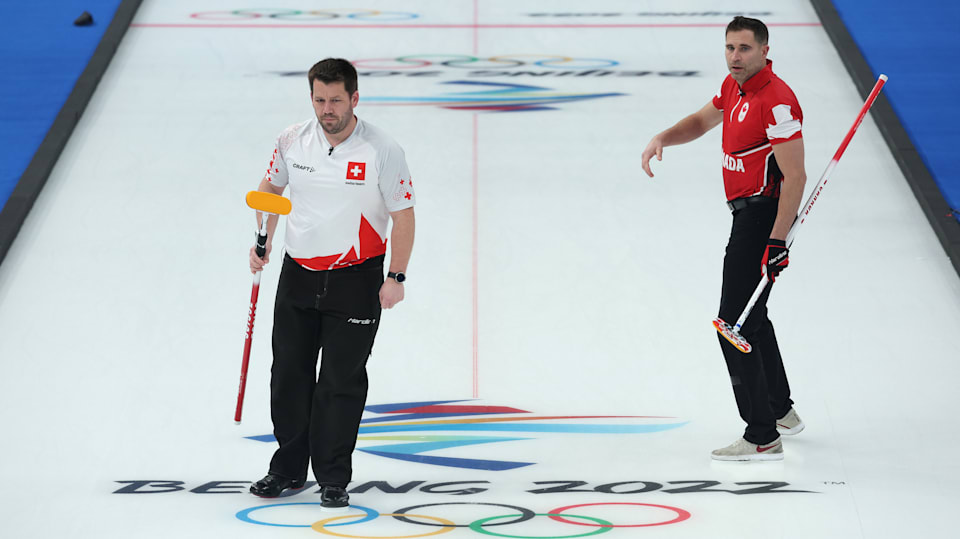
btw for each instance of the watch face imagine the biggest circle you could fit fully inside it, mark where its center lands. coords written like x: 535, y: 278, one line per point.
x: 400, y: 277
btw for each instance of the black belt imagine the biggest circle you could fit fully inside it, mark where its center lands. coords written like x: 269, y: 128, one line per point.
x: 741, y: 203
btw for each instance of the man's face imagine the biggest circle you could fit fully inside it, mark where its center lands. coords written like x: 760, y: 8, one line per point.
x: 333, y: 106
x: 745, y: 57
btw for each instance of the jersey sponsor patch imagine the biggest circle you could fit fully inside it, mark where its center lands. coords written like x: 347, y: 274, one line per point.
x: 356, y: 171
x: 305, y: 168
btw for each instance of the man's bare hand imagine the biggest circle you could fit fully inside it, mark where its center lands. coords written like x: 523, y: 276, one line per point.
x: 257, y: 263
x: 655, y: 147
x: 391, y: 293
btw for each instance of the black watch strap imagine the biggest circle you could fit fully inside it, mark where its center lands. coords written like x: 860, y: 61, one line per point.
x: 398, y: 276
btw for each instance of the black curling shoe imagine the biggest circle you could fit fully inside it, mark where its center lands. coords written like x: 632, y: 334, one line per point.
x: 334, y: 497
x: 272, y: 486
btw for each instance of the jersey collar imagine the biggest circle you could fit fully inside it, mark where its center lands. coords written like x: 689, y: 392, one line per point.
x: 759, y: 79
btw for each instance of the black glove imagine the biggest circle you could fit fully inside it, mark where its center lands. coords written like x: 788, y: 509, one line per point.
x: 776, y: 257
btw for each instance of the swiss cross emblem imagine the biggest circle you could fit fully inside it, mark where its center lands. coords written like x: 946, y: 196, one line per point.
x: 356, y: 171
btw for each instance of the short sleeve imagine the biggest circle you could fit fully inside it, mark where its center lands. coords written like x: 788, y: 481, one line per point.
x: 396, y: 185
x: 783, y: 122
x: 727, y: 88
x: 718, y: 99
x: 277, y: 170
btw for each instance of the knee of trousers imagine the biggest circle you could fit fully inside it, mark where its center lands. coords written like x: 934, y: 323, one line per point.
x: 757, y: 327
x: 756, y: 323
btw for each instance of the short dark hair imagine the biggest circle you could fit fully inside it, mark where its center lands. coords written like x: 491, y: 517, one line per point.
x: 334, y: 70
x: 756, y: 26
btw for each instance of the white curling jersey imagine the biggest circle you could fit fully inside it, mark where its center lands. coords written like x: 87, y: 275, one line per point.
x: 342, y: 196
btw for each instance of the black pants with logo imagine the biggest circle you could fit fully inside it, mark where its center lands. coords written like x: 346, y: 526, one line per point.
x: 337, y: 311
x: 759, y: 380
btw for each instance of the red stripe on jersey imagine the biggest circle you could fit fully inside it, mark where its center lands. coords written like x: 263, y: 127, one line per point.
x: 318, y: 263
x: 371, y: 245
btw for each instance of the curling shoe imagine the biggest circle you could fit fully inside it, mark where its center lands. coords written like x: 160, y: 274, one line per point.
x: 742, y: 450
x: 333, y: 497
x: 790, y: 424
x: 272, y: 486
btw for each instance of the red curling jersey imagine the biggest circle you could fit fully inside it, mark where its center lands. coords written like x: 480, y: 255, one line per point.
x: 761, y: 113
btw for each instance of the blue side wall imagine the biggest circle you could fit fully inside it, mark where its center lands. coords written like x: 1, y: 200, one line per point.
x: 42, y: 55
x: 917, y: 44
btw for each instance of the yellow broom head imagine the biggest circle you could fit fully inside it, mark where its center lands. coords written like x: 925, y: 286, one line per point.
x: 268, y: 202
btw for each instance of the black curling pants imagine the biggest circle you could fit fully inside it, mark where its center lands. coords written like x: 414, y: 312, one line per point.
x: 759, y: 380
x: 316, y: 419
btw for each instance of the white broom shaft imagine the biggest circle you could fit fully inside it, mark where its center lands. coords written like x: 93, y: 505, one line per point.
x: 815, y: 195
x: 753, y: 301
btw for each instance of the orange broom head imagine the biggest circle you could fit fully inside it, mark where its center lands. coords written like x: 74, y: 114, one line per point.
x: 729, y: 334
x: 268, y: 202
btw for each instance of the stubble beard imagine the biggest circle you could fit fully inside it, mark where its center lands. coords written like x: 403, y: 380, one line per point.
x: 737, y: 76
x: 337, y: 127
x: 744, y: 74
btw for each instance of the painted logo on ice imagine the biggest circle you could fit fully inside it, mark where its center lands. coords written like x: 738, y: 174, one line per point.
x: 416, y: 428
x: 491, y: 97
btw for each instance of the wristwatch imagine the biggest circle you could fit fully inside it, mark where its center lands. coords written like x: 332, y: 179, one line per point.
x: 398, y: 276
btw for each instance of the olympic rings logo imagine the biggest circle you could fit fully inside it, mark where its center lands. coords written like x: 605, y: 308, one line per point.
x: 517, y: 515
x: 305, y: 15
x: 493, y: 62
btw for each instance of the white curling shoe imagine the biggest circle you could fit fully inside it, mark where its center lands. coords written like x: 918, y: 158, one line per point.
x: 790, y: 424
x: 742, y: 451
